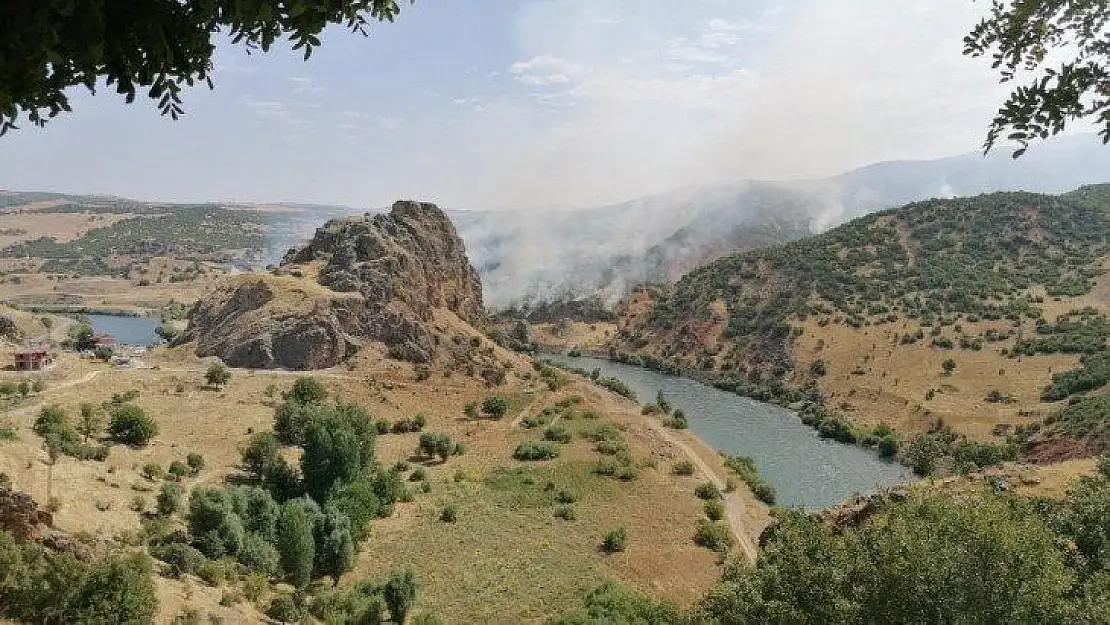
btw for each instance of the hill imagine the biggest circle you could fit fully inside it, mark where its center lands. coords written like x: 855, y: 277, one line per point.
x: 1009, y: 287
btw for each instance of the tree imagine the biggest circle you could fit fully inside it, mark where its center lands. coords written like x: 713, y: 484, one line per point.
x: 148, y: 46
x: 306, y: 390
x: 217, y: 375
x: 91, y: 422
x: 295, y: 545
x: 949, y: 366
x: 331, y: 456
x: 131, y: 425
x: 1032, y: 36
x: 399, y: 594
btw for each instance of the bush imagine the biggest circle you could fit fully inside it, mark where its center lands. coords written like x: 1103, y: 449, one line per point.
x: 615, y: 540
x: 495, y: 407
x: 714, y: 509
x: 565, y: 495
x: 557, y: 434
x: 536, y: 451
x: 171, y: 499
x: 450, y: 513
x: 153, y: 471
x: 707, y: 490
x: 683, y: 467
x: 713, y: 535
x: 565, y: 513
x: 259, y: 554
x: 195, y: 463
x: 178, y: 469
x: 130, y: 425
x: 284, y: 610
x: 183, y: 559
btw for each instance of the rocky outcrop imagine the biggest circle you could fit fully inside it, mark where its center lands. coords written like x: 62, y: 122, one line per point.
x: 379, y: 279
x: 21, y: 517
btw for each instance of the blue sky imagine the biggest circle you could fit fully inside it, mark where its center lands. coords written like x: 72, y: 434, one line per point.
x: 541, y: 103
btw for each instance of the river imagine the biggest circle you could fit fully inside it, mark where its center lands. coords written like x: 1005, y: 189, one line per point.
x: 137, y: 331
x: 806, y: 471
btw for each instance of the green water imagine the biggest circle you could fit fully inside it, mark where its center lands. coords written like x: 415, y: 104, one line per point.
x: 806, y: 471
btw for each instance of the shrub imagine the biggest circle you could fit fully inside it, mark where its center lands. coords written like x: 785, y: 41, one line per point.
x: 495, y: 406
x: 195, y: 462
x: 153, y: 471
x: 178, y: 469
x: 536, y: 451
x: 557, y: 434
x: 818, y: 368
x: 565, y: 513
x: 707, y: 490
x: 418, y: 475
x: 171, y: 499
x: 714, y: 536
x: 295, y: 544
x: 683, y: 467
x: 565, y: 495
x: 610, y: 447
x: 450, y: 513
x: 217, y: 375
x: 284, y: 610
x: 306, y: 390
x: 131, y: 425
x: 615, y: 540
x: 433, y: 445
x: 183, y: 559
x: 714, y: 509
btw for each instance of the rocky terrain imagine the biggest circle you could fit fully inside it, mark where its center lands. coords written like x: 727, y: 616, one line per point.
x: 360, y: 280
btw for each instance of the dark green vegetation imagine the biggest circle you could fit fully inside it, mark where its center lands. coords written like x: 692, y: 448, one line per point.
x: 155, y: 48
x: 1084, y: 424
x: 980, y: 557
x: 744, y: 468
x: 42, y: 586
x: 933, y: 263
x: 928, y: 261
x: 299, y: 523
x: 185, y: 232
x: 1060, y: 45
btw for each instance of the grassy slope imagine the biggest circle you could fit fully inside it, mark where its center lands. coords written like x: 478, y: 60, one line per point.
x: 978, y: 263
x: 506, y: 558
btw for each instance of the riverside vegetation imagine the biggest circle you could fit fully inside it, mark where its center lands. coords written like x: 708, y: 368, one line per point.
x: 932, y: 280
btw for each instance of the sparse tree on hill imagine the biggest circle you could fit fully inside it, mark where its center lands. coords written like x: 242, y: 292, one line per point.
x: 495, y: 407
x: 217, y: 375
x: 91, y: 421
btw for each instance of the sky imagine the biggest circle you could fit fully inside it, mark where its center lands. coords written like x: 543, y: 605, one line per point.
x: 537, y: 104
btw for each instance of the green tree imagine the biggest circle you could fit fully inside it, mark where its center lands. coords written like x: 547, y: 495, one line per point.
x: 949, y: 366
x: 214, y: 524
x: 131, y: 425
x: 331, y: 455
x: 1063, y: 43
x: 91, y: 421
x: 217, y: 375
x: 295, y: 544
x: 335, y: 554
x: 306, y: 390
x: 152, y: 47
x: 399, y: 594
x: 119, y: 590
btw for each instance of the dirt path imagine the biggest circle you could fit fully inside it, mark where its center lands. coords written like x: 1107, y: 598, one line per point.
x: 734, y: 507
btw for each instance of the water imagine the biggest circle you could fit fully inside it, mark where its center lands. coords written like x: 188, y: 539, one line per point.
x: 138, y: 331
x: 806, y: 471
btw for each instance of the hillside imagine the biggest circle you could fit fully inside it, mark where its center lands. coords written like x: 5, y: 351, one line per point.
x: 1008, y: 286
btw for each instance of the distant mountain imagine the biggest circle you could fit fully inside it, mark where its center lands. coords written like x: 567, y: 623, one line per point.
x: 527, y: 256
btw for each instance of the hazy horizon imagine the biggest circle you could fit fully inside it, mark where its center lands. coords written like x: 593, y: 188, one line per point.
x: 541, y: 104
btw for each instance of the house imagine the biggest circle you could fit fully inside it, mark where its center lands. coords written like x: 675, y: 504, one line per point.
x: 32, y: 360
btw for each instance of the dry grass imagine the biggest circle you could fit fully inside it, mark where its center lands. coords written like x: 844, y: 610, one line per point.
x: 573, y: 334
x: 506, y: 559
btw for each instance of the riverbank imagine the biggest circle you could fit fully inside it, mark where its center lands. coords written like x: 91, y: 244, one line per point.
x: 805, y: 470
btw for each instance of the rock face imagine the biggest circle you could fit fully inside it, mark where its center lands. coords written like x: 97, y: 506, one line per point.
x: 9, y: 329
x: 379, y: 279
x: 21, y: 516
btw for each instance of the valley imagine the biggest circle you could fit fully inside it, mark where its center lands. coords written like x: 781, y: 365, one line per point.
x: 499, y: 487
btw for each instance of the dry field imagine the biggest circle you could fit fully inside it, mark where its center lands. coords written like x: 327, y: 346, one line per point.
x: 574, y: 334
